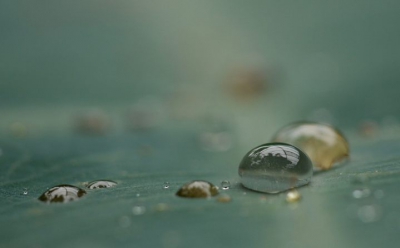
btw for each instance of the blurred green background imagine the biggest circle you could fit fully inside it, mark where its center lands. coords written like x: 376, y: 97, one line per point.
x: 180, y: 90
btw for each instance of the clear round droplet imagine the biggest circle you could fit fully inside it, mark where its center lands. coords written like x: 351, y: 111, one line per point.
x: 361, y: 193
x: 166, y: 185
x: 225, y: 185
x: 275, y: 167
x: 369, y: 213
x: 62, y: 194
x: 322, y: 143
x: 138, y: 210
x: 98, y: 184
x: 197, y: 189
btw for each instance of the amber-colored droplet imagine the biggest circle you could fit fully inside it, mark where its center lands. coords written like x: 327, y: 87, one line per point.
x: 293, y: 196
x: 197, y: 189
x: 224, y: 198
x: 322, y: 143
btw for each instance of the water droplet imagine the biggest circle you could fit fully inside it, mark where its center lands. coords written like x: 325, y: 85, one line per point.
x: 161, y: 207
x: 361, y: 193
x: 197, y: 189
x: 293, y: 196
x: 138, y: 210
x: 224, y: 198
x: 166, y: 185
x: 124, y: 221
x: 368, y: 128
x: 98, y: 184
x: 322, y: 143
x: 369, y: 213
x: 62, y: 193
x: 25, y: 191
x: 275, y: 167
x: 137, y: 195
x: 225, y: 185
x: 92, y: 122
x: 247, y: 83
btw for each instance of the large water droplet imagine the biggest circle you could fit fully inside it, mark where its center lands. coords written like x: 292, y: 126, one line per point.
x: 62, y: 193
x: 275, y: 167
x: 322, y: 143
x: 101, y: 184
x: 197, y: 189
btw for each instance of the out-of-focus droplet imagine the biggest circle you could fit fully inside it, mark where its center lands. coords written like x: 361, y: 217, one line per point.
x: 18, y: 129
x: 225, y: 185
x: 161, y: 207
x: 137, y: 195
x: 275, y: 167
x: 25, y: 191
x: 247, y: 84
x: 368, y: 129
x: 322, y: 143
x: 361, y: 193
x: 224, y: 198
x: 197, y: 189
x: 166, y: 185
x: 146, y: 114
x: 215, y: 142
x: 293, y: 196
x: 62, y: 194
x: 369, y: 213
x: 92, y: 122
x: 138, y: 210
x: 98, y: 184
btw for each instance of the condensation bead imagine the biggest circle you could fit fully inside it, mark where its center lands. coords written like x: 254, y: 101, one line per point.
x: 275, y: 167
x: 62, y: 194
x: 98, y: 184
x: 322, y: 143
x: 197, y: 189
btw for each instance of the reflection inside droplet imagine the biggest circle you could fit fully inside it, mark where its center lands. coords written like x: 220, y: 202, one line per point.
x: 197, y: 189
x: 98, y: 184
x: 275, y: 167
x: 62, y: 193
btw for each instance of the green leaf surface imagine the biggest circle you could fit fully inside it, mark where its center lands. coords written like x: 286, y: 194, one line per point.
x: 327, y: 216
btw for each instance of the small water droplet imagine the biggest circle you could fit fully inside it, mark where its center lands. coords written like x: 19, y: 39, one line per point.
x: 62, y: 193
x: 224, y: 198
x: 197, y: 189
x: 98, y: 184
x: 161, y: 207
x: 293, y: 196
x: 92, y: 122
x: 225, y: 185
x: 361, y: 193
x: 124, y: 221
x: 138, y: 210
x: 166, y: 185
x: 322, y: 143
x: 262, y: 170
x: 369, y: 213
x: 25, y: 191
